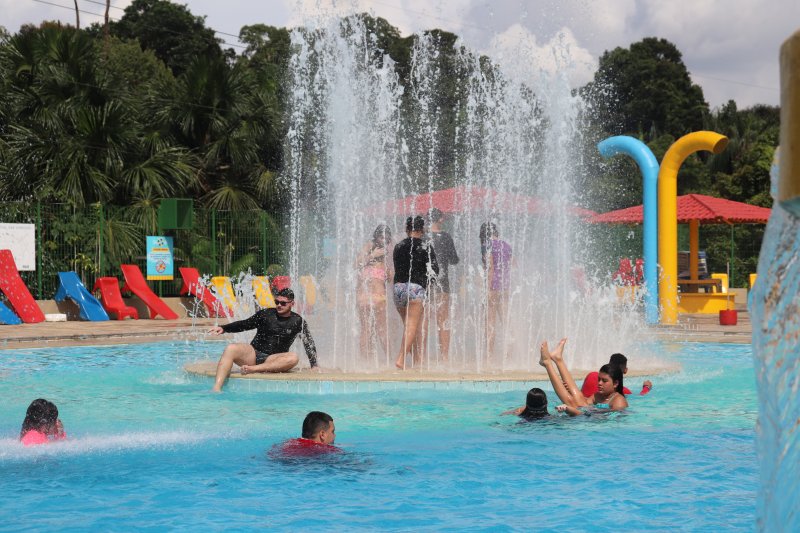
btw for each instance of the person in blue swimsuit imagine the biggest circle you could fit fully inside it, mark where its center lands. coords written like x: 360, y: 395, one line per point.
x: 609, y: 395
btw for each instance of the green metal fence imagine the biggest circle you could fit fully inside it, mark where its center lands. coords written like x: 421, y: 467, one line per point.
x: 94, y: 240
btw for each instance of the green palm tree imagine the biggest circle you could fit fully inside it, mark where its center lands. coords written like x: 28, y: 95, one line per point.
x: 223, y: 115
x: 75, y: 133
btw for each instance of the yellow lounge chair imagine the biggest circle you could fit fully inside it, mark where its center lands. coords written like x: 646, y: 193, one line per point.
x: 724, y: 279
x: 309, y: 292
x: 263, y: 292
x: 224, y: 290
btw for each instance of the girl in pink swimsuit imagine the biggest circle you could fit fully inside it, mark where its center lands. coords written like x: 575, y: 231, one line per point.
x: 41, y: 424
x: 373, y: 272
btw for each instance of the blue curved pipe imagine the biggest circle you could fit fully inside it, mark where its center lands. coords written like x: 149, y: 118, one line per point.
x: 622, y: 144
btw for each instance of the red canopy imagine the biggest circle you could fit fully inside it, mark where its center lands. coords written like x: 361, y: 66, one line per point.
x: 469, y: 199
x: 706, y: 209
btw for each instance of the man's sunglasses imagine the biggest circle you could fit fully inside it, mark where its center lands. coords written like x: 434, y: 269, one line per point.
x: 283, y: 302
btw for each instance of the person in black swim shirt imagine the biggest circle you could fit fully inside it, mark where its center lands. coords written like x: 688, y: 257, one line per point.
x: 439, y: 293
x: 276, y: 330
x: 414, y: 265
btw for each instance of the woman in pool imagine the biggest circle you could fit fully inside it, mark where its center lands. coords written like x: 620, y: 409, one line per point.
x: 608, y: 396
x: 414, y: 266
x: 373, y: 273
x: 535, y: 406
x: 41, y: 424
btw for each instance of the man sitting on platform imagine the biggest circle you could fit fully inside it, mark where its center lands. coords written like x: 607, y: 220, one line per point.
x: 276, y: 330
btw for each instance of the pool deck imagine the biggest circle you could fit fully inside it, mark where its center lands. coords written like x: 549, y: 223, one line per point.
x: 691, y: 328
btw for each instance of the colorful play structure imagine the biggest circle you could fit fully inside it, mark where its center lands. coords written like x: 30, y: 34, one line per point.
x: 17, y: 293
x: 71, y: 286
x: 216, y: 294
x: 660, y: 215
x: 648, y: 165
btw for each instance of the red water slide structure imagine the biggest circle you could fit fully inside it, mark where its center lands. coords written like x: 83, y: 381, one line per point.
x: 16, y: 291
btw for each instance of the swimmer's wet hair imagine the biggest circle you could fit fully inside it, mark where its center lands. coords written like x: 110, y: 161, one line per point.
x: 416, y: 223
x: 41, y: 416
x: 286, y: 293
x: 615, y: 373
x: 619, y: 360
x: 435, y: 214
x: 315, y: 422
x: 535, y: 404
x: 381, y: 234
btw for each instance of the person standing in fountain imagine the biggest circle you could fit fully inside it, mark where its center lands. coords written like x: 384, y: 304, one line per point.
x: 414, y: 266
x: 446, y: 255
x: 496, y: 255
x: 276, y: 330
x: 373, y: 273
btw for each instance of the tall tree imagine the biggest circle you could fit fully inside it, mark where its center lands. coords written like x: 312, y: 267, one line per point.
x: 74, y: 131
x: 229, y: 121
x: 646, y: 90
x: 170, y: 30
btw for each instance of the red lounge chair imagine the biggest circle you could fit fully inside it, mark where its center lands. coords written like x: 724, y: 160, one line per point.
x: 192, y: 285
x: 19, y: 297
x: 624, y: 275
x: 280, y: 282
x: 135, y: 283
x: 111, y: 298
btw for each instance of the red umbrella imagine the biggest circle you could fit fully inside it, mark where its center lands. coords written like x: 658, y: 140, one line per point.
x: 470, y: 199
x: 705, y: 209
x: 694, y: 209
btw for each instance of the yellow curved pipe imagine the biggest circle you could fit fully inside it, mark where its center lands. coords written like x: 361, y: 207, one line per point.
x: 668, y: 214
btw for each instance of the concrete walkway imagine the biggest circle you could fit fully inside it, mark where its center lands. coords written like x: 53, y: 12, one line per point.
x: 691, y: 328
x: 77, y: 333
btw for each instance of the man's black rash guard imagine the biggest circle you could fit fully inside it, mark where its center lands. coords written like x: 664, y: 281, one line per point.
x: 275, y: 334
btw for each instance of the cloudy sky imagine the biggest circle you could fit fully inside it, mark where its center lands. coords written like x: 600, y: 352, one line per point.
x: 730, y: 46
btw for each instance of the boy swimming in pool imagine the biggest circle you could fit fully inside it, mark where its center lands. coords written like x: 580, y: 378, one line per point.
x: 318, y: 437
x: 609, y: 395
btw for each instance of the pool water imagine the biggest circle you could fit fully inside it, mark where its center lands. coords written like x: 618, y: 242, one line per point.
x: 150, y: 448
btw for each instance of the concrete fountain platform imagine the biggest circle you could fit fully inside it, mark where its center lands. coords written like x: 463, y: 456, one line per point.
x: 208, y: 368
x: 691, y: 328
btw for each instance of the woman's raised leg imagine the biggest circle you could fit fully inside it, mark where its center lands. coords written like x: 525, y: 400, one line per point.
x: 555, y: 379
x: 557, y: 356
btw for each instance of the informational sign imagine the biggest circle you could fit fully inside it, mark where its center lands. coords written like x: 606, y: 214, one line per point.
x: 21, y: 240
x: 159, y: 258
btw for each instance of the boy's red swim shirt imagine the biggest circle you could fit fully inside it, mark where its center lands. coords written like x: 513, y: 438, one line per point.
x: 306, y: 447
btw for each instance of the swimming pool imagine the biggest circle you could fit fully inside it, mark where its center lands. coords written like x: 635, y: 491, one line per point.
x: 150, y: 447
